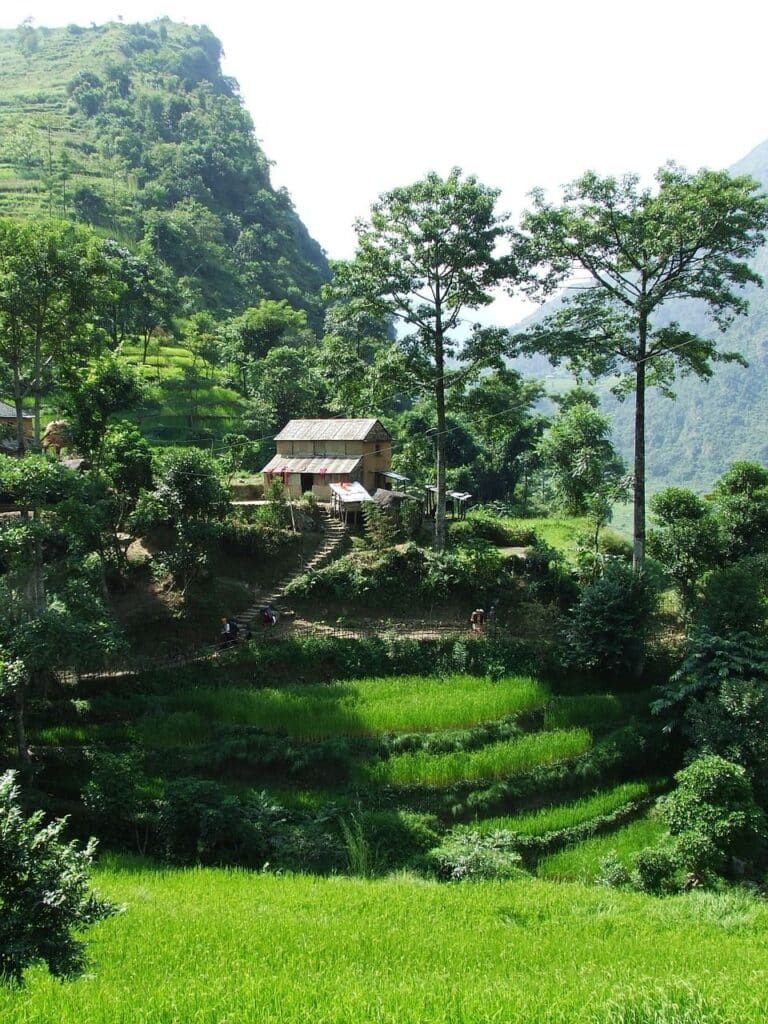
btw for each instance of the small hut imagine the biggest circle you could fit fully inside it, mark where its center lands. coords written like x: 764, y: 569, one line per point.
x: 347, y: 500
x: 456, y: 502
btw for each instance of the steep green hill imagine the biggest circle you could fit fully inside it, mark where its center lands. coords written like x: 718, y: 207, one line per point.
x: 135, y: 130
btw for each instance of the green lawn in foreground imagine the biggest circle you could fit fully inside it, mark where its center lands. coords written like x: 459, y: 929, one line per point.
x: 209, y: 947
x: 363, y: 707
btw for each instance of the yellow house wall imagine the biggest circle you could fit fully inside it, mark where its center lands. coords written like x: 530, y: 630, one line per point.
x: 376, y: 456
x: 10, y: 421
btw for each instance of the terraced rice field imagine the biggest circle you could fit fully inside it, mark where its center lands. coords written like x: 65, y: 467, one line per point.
x: 206, y: 946
x: 566, y: 815
x: 581, y: 862
x: 495, y: 761
x: 365, y: 707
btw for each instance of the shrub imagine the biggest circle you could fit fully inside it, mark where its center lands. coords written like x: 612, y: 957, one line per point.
x: 714, y: 800
x: 735, y: 598
x: 253, y: 538
x: 399, y: 838
x: 116, y: 792
x: 731, y: 722
x: 608, y: 625
x: 410, y: 571
x: 470, y: 856
x: 656, y: 870
x: 615, y: 545
x: 612, y: 872
x: 202, y: 823
x: 44, y: 894
x: 482, y: 524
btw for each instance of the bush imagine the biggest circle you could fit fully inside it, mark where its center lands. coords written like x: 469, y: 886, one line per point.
x: 470, y: 856
x: 656, y: 870
x: 407, y: 572
x: 253, y: 538
x: 116, y: 792
x: 615, y: 545
x: 202, y: 823
x: 714, y: 801
x: 481, y: 524
x: 608, y: 625
x: 44, y: 894
x: 731, y: 722
x: 612, y: 872
x: 735, y: 598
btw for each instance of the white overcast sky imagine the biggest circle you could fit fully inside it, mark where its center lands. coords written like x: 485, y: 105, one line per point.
x: 352, y: 97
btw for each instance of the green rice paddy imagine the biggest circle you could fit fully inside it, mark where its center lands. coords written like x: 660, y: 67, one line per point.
x: 214, y: 946
x: 495, y: 761
x: 568, y: 815
x: 581, y: 862
x: 364, y: 707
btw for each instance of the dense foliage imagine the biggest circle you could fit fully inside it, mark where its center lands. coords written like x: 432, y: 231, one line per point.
x: 45, y: 896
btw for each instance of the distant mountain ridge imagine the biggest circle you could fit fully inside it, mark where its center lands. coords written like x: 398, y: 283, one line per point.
x: 691, y: 441
x: 135, y: 130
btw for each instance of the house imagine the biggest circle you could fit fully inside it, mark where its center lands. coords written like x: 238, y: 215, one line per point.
x: 313, y: 454
x: 8, y: 441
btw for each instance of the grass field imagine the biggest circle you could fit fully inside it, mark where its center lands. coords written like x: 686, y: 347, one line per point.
x: 209, y: 947
x: 496, y: 761
x: 364, y: 707
x: 595, y: 709
x: 551, y: 819
x: 581, y: 862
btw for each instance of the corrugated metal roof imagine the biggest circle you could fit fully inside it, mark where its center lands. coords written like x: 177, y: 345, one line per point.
x: 282, y: 463
x: 389, y: 498
x: 351, y: 492
x: 8, y: 411
x: 332, y: 430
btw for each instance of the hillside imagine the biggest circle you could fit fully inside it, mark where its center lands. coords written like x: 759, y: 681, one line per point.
x: 693, y: 440
x: 135, y: 130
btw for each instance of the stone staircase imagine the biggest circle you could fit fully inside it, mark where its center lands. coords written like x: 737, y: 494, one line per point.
x: 334, y: 532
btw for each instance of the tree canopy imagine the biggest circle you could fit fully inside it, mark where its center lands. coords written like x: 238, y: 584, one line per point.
x: 429, y: 254
x: 627, y: 250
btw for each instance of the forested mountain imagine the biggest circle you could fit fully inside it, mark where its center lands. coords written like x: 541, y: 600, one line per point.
x: 694, y: 439
x: 134, y: 130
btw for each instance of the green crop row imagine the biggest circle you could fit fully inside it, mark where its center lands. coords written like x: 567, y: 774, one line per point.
x: 496, y: 761
x: 563, y: 816
x: 581, y: 861
x: 364, y: 707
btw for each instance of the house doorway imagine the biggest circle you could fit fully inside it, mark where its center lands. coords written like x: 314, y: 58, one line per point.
x: 307, y: 479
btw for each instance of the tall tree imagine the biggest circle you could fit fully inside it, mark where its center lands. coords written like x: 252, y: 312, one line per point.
x: 499, y: 413
x: 51, y: 614
x: 427, y: 255
x: 53, y: 278
x: 633, y: 249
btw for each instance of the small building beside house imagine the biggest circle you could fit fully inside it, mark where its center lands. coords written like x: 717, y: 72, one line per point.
x: 313, y: 454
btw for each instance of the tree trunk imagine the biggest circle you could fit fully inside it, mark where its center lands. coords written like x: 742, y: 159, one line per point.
x: 25, y: 758
x: 21, y: 439
x: 638, y: 554
x: 440, y: 446
x: 38, y: 387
